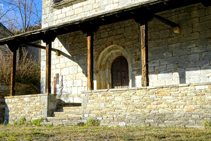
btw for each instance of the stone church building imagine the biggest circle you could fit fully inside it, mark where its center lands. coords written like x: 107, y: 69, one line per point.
x: 123, y: 62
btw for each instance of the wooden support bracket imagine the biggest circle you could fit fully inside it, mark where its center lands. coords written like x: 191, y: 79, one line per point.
x: 168, y: 22
x: 58, y: 52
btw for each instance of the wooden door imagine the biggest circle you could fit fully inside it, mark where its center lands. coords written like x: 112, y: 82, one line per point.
x: 119, y: 73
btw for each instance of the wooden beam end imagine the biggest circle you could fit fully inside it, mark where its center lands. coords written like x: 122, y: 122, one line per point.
x: 177, y: 30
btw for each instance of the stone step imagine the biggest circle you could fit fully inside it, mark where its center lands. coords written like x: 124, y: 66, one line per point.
x: 69, y: 98
x: 74, y: 107
x: 62, y: 118
x: 68, y: 109
x: 68, y: 112
x: 68, y: 115
x: 63, y: 121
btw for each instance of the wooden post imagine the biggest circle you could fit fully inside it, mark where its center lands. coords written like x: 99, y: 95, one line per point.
x: 144, y: 54
x: 48, y: 67
x: 13, y: 72
x: 90, y: 61
x: 54, y: 85
x: 55, y: 82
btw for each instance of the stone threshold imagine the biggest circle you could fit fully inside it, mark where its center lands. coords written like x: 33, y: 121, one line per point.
x: 149, y: 87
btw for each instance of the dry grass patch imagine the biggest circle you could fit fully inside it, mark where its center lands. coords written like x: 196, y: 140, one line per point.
x: 102, y: 133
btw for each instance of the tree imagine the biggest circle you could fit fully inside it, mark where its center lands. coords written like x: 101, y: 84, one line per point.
x: 28, y: 12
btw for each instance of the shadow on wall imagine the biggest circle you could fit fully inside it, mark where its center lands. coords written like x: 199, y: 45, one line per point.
x: 74, y: 58
x: 180, y: 61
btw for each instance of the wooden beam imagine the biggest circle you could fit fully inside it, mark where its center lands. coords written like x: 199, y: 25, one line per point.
x: 13, y: 72
x: 99, y: 20
x: 58, y: 52
x: 166, y: 21
x: 144, y: 54
x: 90, y: 61
x: 55, y: 82
x: 54, y: 85
x: 48, y: 67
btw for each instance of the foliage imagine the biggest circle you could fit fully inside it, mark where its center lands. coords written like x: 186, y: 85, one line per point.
x: 207, y: 124
x: 92, y: 122
x: 23, y: 121
x: 27, y: 70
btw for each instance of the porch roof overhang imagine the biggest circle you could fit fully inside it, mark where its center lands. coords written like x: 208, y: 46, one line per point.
x: 139, y: 11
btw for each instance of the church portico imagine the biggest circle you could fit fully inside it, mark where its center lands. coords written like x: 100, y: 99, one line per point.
x: 149, y: 65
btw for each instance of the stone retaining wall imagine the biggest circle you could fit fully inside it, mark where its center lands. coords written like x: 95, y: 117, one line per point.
x: 20, y: 89
x: 182, y: 105
x: 29, y: 106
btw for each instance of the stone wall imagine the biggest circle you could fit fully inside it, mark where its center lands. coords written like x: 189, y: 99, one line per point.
x: 20, y: 89
x: 29, y: 106
x: 72, y: 10
x: 181, y: 105
x: 181, y: 58
x: 173, y: 58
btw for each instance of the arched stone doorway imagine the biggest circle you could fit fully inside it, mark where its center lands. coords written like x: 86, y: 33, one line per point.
x: 104, y: 64
x: 119, y: 73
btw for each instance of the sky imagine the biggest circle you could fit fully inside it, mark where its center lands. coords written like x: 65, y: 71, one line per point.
x: 14, y: 16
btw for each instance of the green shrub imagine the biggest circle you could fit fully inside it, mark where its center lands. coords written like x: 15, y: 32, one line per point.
x: 23, y: 121
x: 92, y: 122
x: 207, y: 124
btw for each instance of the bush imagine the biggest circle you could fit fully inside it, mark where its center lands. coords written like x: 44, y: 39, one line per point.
x: 23, y: 121
x: 27, y: 70
x: 207, y: 124
x: 92, y: 122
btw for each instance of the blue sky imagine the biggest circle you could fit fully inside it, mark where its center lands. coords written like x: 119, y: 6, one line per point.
x: 15, y: 15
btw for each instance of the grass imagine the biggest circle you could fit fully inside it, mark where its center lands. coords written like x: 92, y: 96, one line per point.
x: 43, y: 133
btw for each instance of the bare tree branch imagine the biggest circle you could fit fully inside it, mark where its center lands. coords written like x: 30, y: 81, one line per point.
x: 27, y: 11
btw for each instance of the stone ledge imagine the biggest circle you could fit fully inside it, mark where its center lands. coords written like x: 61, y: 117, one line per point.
x: 149, y: 87
x: 32, y: 95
